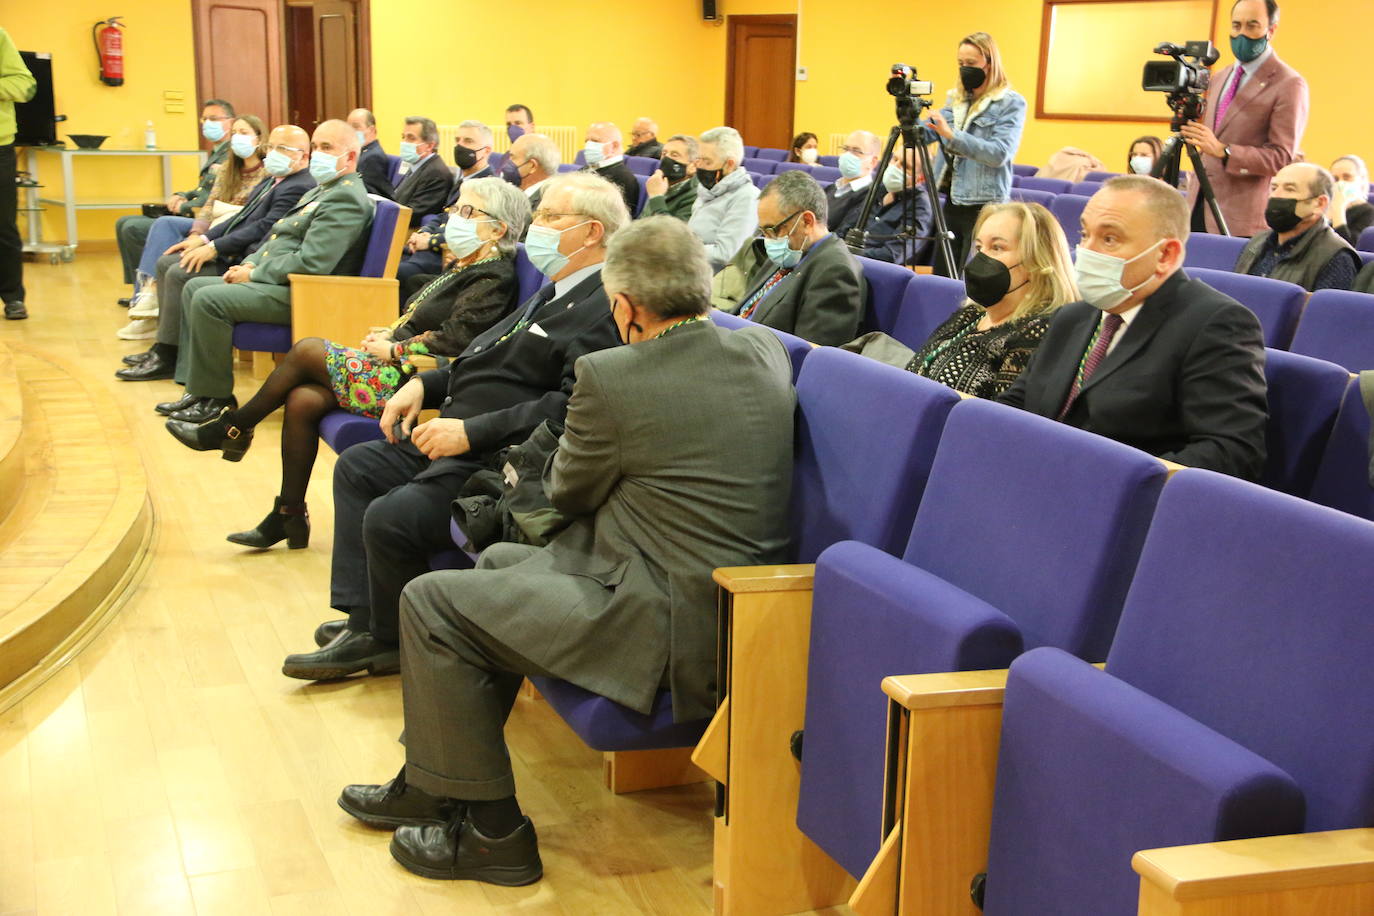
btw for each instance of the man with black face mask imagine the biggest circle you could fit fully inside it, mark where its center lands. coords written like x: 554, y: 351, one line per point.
x: 671, y: 189
x: 1300, y: 245
x: 1256, y: 113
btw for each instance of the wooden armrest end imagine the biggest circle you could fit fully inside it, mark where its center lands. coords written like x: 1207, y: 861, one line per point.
x: 947, y: 689
x: 781, y: 578
x: 1173, y: 467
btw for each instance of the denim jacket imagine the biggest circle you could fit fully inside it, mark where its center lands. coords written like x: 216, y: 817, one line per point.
x: 983, y: 145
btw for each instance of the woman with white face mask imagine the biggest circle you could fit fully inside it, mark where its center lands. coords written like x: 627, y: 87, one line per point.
x: 319, y: 376
x: 1350, y: 212
x: 805, y: 148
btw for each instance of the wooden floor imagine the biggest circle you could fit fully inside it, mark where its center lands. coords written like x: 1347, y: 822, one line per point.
x: 171, y: 768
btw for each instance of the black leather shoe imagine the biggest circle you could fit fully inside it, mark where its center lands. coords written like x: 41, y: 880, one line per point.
x: 167, y: 408
x: 457, y: 851
x: 203, y: 409
x: 214, y: 433
x: 151, y: 369
x: 124, y: 301
x: 134, y: 359
x: 15, y: 310
x: 395, y: 804
x: 328, y: 631
x: 289, y: 522
x: 350, y: 653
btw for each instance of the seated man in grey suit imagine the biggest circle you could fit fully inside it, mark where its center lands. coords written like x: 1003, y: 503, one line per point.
x: 1150, y: 357
x: 620, y: 602
x: 809, y: 285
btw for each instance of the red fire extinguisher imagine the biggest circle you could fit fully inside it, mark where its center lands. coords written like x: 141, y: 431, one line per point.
x: 109, y: 48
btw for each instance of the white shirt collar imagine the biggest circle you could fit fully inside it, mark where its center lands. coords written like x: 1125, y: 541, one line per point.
x: 857, y: 185
x: 529, y: 192
x: 562, y: 287
x: 608, y: 162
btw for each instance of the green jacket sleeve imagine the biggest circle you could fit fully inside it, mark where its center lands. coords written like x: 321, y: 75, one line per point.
x: 339, y: 220
x: 16, y: 82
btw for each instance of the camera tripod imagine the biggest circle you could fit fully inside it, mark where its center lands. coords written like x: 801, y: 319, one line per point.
x: 908, y: 110
x: 1166, y: 169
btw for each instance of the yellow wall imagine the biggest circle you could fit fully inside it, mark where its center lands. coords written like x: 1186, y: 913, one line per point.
x: 574, y: 63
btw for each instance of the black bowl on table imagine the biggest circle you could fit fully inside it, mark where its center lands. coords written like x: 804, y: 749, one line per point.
x: 88, y: 141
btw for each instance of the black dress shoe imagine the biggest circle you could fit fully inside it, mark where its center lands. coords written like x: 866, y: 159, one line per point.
x: 350, y: 653
x: 329, y: 631
x: 289, y: 522
x: 124, y: 301
x: 167, y: 408
x: 203, y: 409
x: 15, y: 310
x: 396, y: 804
x: 458, y: 851
x: 150, y: 369
x: 134, y: 359
x: 214, y: 433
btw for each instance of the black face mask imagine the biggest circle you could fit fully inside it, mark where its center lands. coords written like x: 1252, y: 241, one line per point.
x: 672, y: 170
x: 987, y: 280
x: 1281, y: 213
x: 511, y: 173
x: 708, y: 177
x: 972, y: 77
x: 463, y: 157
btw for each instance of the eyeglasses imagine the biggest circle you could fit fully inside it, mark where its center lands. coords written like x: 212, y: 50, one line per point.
x: 775, y: 231
x: 286, y: 150
x: 852, y: 149
x: 639, y: 133
x: 548, y: 216
x: 466, y: 211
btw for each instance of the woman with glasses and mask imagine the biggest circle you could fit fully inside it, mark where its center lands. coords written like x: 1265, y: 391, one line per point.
x: 979, y: 129
x: 1019, y: 275
x: 319, y: 376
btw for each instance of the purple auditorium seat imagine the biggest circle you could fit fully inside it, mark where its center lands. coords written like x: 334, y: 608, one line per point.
x: 568, y: 166
x: 1101, y: 176
x: 760, y: 181
x: 926, y: 303
x: 528, y: 279
x: 1086, y: 188
x: 1015, y: 181
x: 759, y: 166
x: 792, y: 167
x: 1342, y: 480
x: 1234, y: 703
x: 1338, y: 326
x: 797, y: 349
x: 1053, y: 185
x: 1277, y: 304
x: 580, y: 160
x: 1366, y: 240
x: 886, y: 282
x: 829, y: 161
x: 1215, y: 252
x: 1365, y: 257
x: 1060, y: 580
x: 641, y: 165
x: 751, y: 152
x: 1025, y: 171
x: 1304, y: 397
x: 773, y: 155
x: 643, y: 194
x: 1027, y: 195
x: 1068, y: 209
x: 393, y: 168
x: 825, y: 174
x: 256, y: 336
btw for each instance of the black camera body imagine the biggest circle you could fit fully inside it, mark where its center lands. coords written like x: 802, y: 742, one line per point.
x: 1185, y: 78
x: 911, y: 94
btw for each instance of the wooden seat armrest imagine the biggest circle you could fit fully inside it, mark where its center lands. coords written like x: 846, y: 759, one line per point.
x: 1173, y: 467
x: 739, y: 580
x: 947, y: 689
x: 341, y: 309
x: 712, y: 752
x: 1267, y: 874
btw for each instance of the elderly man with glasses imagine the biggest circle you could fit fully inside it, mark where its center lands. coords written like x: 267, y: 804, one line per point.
x: 392, y: 498
x: 645, y: 139
x: 220, y: 248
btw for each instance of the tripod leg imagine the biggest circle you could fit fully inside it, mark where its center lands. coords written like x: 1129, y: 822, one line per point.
x: 855, y: 237
x: 942, y: 235
x: 1205, y: 189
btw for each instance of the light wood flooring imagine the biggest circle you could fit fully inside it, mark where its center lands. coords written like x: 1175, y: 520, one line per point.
x: 171, y: 768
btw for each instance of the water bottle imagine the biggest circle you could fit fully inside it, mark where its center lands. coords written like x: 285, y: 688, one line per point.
x: 149, y: 137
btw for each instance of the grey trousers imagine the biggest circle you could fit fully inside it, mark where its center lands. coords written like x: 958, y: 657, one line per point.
x: 458, y: 685
x: 209, y: 310
x: 131, y: 232
x: 171, y: 282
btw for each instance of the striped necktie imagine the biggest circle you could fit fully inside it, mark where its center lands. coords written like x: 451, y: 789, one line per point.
x: 753, y: 301
x: 1110, y: 325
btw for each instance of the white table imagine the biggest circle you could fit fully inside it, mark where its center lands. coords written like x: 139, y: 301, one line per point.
x: 69, y: 202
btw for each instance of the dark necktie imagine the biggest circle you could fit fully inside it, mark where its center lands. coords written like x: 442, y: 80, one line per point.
x: 753, y: 301
x: 1110, y: 325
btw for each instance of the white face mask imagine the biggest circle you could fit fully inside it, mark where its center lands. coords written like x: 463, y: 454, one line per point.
x: 809, y: 155
x: 1099, y: 277
x: 1141, y: 165
x: 1354, y: 191
x: 894, y: 179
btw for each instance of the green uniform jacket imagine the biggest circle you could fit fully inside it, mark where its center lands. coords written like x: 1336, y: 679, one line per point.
x: 325, y: 233
x: 16, y: 85
x: 679, y: 201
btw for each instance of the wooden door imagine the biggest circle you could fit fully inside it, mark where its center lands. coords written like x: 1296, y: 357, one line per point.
x: 301, y: 93
x: 760, y: 73
x: 239, y: 55
x: 336, y: 57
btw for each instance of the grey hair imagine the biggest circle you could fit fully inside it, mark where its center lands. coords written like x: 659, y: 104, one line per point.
x: 429, y: 131
x: 635, y: 262
x: 483, y: 130
x: 727, y: 141
x: 691, y: 143
x: 544, y: 152
x: 871, y: 146
x: 593, y: 197
x: 505, y: 202
x: 797, y: 190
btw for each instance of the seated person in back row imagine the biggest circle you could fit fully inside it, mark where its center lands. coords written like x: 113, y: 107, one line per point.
x: 724, y: 216
x: 1300, y: 246
x: 645, y: 137
x: 1150, y: 357
x: 423, y: 257
x: 374, y: 166
x: 604, y: 153
x: 1350, y: 211
x: 1020, y: 276
x: 809, y: 285
x: 533, y: 159
x: 424, y: 182
x: 904, y: 206
x: 844, y: 199
x: 671, y: 188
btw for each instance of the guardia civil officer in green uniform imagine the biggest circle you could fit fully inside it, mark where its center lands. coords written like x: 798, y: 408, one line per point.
x: 325, y: 233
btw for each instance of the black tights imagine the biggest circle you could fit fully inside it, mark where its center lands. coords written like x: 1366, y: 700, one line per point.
x: 301, y: 383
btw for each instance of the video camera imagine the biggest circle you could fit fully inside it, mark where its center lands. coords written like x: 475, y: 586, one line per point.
x: 1185, y: 78
x: 904, y: 83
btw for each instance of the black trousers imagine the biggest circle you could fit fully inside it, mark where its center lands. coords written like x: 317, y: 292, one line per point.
x: 11, y: 244
x: 960, y: 220
x: 386, y: 525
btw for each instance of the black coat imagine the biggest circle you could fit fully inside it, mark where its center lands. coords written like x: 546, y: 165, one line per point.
x: 424, y: 189
x: 1185, y: 383
x: 375, y: 168
x: 620, y: 175
x: 241, y: 234
x: 821, y: 300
